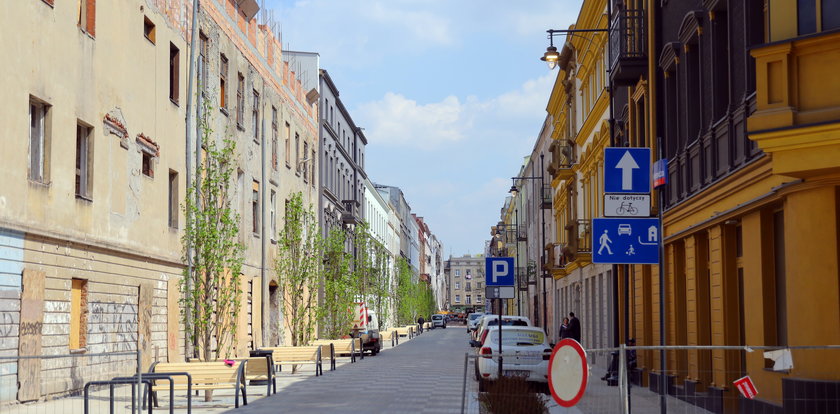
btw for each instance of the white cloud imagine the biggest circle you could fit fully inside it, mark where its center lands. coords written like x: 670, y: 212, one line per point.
x: 396, y: 120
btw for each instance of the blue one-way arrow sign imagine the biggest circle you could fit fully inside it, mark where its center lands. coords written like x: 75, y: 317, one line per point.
x: 627, y: 170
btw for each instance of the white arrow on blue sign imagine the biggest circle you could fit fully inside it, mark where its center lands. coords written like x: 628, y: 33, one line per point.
x: 627, y: 170
x: 626, y: 240
x: 499, y: 271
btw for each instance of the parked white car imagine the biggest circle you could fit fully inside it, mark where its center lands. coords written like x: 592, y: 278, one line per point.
x: 493, y: 320
x: 438, y: 321
x: 526, y: 354
x: 472, y: 319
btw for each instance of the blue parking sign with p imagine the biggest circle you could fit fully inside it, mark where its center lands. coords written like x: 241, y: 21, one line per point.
x: 499, y: 271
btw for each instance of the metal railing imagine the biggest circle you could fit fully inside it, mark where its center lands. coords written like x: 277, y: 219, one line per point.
x: 627, y: 38
x: 696, y: 379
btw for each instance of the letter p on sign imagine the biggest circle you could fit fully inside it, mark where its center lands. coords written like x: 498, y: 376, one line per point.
x: 500, y: 269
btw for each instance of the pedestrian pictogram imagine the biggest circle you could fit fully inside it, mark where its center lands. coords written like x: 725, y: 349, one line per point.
x: 605, y: 243
x: 746, y: 387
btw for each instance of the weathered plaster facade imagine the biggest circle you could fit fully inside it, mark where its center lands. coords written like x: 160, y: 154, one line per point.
x: 97, y: 270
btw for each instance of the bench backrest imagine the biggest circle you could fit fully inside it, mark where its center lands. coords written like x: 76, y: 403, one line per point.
x: 202, y: 372
x: 340, y: 345
x: 296, y: 353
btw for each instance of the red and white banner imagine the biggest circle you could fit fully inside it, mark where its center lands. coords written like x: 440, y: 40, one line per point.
x: 746, y: 387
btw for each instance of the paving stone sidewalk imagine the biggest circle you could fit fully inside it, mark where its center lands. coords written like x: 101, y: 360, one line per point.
x: 423, y: 375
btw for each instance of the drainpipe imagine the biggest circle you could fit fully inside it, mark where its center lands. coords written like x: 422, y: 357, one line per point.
x: 264, y: 323
x: 191, y: 78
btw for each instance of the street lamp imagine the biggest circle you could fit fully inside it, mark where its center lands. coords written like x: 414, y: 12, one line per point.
x: 551, y: 56
x: 514, y: 190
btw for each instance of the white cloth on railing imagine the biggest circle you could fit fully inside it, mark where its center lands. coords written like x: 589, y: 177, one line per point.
x: 782, y: 359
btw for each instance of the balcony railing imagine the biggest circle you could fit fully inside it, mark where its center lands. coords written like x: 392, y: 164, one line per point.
x: 562, y: 157
x: 628, y: 46
x: 578, y: 237
x: 522, y: 278
x: 547, y: 195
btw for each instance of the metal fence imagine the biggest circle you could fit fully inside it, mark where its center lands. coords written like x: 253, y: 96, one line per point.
x: 697, y: 379
x: 54, y: 384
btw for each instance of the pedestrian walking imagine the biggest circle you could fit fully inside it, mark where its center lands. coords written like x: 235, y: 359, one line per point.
x: 420, y: 322
x: 564, y: 329
x: 574, y: 327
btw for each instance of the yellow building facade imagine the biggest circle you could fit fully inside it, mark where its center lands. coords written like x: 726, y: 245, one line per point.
x: 578, y: 109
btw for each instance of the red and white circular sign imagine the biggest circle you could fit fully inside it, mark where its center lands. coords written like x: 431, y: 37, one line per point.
x: 567, y: 372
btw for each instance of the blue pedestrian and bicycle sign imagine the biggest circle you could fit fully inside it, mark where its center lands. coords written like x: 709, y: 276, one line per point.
x: 627, y: 170
x: 625, y: 240
x: 499, y: 271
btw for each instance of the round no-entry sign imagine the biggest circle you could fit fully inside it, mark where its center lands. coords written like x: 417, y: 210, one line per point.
x: 567, y: 372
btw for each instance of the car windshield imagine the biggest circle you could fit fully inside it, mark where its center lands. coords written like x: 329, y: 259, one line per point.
x: 474, y: 316
x: 437, y: 317
x: 508, y: 322
x: 516, y: 337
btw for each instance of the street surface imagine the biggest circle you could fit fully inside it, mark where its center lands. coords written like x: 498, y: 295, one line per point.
x: 422, y: 375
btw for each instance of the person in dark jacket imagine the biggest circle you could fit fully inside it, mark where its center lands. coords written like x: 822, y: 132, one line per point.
x: 564, y: 329
x: 574, y: 327
x: 420, y: 322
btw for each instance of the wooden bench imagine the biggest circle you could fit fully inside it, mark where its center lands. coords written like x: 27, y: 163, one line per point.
x: 261, y: 368
x: 407, y: 331
x: 215, y: 375
x: 348, y: 346
x: 298, y: 355
x: 391, y: 335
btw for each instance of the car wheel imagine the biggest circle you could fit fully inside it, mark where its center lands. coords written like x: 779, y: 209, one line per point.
x: 482, y: 385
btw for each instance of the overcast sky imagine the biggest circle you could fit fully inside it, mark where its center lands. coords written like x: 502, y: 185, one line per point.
x: 451, y: 94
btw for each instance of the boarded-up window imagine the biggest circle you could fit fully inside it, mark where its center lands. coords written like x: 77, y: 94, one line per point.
x: 78, y: 314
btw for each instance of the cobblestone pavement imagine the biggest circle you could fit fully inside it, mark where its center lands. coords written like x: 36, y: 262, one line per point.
x: 423, y: 375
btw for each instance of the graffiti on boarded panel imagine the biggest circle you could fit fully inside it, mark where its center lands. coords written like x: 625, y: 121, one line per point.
x: 113, y: 327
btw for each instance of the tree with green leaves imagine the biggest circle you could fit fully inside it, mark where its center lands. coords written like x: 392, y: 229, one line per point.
x: 338, y: 290
x: 297, y: 268
x: 408, y: 308
x: 212, y: 291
